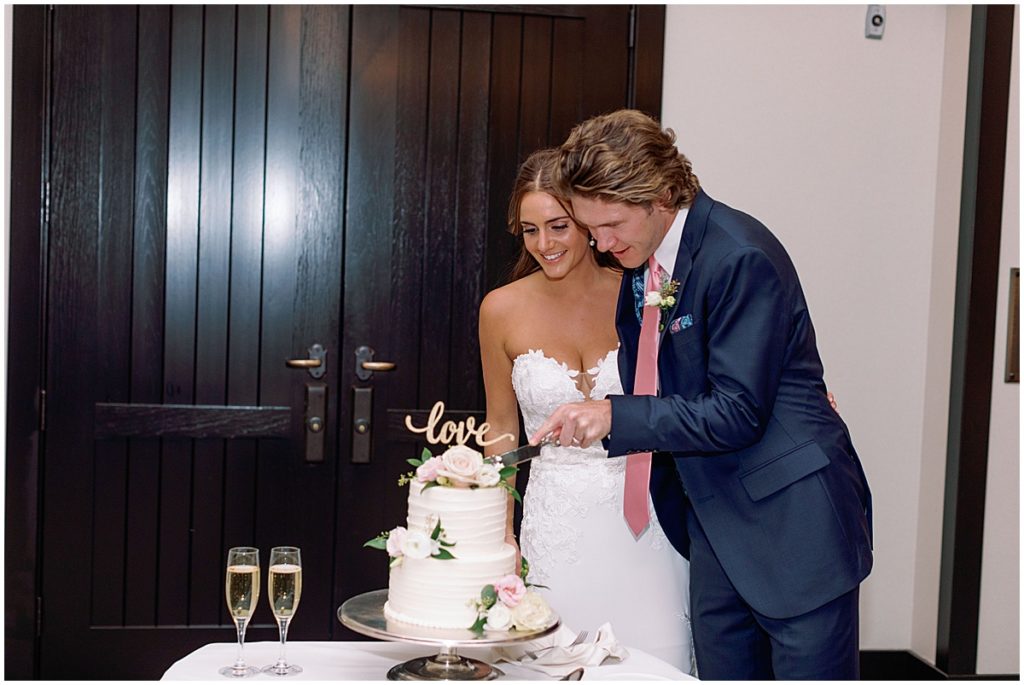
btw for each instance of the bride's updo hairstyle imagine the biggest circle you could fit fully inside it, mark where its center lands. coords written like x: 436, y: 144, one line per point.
x: 625, y: 156
x: 537, y: 175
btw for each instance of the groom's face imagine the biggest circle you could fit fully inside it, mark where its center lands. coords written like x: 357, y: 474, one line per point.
x: 630, y: 232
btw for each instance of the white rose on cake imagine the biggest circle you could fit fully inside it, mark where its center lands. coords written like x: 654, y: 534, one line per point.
x: 532, y: 613
x: 499, y: 617
x: 417, y: 545
x: 488, y: 476
x: 461, y: 465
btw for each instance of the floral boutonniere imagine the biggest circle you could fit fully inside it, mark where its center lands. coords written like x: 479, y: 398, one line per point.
x: 663, y: 298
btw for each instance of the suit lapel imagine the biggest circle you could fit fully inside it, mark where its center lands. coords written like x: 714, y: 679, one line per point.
x: 693, y: 233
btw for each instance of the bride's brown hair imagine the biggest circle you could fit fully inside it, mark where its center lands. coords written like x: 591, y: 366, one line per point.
x: 537, y: 175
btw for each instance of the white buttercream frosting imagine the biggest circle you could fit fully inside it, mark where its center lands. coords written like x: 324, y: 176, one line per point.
x: 440, y: 592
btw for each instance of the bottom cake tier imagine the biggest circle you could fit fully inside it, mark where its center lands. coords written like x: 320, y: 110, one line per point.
x: 441, y: 593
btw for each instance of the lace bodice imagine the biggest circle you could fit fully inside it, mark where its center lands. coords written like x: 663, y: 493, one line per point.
x: 542, y: 384
x: 567, y: 483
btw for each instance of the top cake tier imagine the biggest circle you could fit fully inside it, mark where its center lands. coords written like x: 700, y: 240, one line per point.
x: 474, y: 519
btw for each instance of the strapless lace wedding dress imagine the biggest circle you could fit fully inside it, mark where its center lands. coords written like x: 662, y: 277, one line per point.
x: 574, y: 534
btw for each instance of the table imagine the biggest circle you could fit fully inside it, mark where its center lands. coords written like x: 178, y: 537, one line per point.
x: 371, y: 661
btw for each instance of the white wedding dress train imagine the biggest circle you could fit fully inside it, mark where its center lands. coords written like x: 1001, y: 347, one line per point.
x: 574, y: 534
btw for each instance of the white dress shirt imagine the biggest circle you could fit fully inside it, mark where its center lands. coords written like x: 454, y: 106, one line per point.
x: 666, y: 253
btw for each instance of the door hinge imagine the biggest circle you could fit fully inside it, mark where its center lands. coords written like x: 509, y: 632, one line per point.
x: 42, y: 411
x: 39, y: 616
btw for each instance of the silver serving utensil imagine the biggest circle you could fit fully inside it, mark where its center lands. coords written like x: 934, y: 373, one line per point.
x: 522, y: 454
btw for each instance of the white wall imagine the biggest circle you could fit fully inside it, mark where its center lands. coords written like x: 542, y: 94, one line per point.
x: 934, y: 424
x: 999, y: 629
x: 844, y: 147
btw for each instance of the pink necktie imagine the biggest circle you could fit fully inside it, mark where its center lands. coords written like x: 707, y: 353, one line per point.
x: 638, y: 466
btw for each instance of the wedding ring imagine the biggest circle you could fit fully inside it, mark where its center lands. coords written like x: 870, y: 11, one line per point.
x: 575, y: 440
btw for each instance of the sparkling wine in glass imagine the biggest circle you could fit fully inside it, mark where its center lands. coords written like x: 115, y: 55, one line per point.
x: 284, y: 589
x: 242, y: 590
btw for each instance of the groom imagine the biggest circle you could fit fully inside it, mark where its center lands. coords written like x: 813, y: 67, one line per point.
x: 753, y: 476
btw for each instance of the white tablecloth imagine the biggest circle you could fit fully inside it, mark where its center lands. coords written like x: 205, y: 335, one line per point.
x: 373, y: 660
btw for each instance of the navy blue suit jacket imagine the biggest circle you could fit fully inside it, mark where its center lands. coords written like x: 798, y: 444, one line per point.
x: 742, y: 422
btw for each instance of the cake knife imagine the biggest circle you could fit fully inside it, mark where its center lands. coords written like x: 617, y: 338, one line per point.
x: 522, y: 454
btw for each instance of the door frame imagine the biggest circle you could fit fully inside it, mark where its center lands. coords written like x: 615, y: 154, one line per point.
x: 30, y: 90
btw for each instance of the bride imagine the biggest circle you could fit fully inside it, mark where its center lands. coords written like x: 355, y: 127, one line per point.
x: 547, y: 338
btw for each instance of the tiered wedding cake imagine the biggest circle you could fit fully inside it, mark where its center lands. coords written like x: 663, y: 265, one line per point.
x: 451, y: 566
x: 442, y: 592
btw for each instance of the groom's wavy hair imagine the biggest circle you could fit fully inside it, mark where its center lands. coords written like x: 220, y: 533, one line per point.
x: 537, y: 175
x: 626, y: 156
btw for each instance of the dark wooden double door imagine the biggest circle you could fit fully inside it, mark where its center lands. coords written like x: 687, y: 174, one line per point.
x: 224, y: 189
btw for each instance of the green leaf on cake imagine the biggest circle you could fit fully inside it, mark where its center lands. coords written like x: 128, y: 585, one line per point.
x: 488, y: 596
x: 425, y: 455
x: 443, y: 554
x: 512, y: 491
x: 429, y: 484
x: 508, y: 472
x: 437, y: 531
x: 478, y: 627
x: 414, y: 462
x: 379, y: 542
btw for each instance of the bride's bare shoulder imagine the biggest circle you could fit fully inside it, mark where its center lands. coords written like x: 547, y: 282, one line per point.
x: 505, y: 302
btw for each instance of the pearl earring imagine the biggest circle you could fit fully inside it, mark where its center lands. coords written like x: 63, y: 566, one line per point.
x: 592, y: 243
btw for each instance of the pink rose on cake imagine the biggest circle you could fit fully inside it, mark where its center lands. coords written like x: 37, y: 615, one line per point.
x: 395, y: 540
x: 461, y: 465
x: 428, y: 470
x: 511, y: 589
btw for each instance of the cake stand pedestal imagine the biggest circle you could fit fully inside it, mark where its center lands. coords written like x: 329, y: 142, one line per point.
x: 365, y: 614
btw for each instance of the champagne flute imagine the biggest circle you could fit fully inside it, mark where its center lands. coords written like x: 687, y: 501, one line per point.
x: 284, y: 589
x: 242, y: 589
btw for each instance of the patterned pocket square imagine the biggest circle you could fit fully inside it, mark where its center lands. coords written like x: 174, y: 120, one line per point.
x: 681, y: 323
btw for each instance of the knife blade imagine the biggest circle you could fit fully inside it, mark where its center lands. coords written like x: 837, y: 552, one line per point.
x: 522, y: 454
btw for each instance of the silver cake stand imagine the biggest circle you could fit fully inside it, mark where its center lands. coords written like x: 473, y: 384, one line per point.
x: 365, y: 614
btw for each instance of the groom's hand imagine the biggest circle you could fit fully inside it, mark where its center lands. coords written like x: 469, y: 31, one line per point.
x: 579, y: 424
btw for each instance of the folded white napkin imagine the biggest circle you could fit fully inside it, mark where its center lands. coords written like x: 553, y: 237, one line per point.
x: 559, y: 658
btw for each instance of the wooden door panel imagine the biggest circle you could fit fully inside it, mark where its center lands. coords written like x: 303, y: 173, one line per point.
x: 147, y: 289
x: 197, y: 246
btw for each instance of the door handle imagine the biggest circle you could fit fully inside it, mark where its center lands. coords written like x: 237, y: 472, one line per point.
x: 315, y: 422
x: 316, y: 364
x: 362, y: 412
x: 365, y: 366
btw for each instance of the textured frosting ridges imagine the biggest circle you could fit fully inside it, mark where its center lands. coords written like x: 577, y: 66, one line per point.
x: 440, y: 593
x: 474, y: 519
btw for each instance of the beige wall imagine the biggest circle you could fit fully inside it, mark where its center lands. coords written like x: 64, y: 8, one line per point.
x: 999, y: 628
x: 850, y: 150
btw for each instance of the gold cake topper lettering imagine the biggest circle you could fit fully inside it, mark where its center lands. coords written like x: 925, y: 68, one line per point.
x: 460, y: 432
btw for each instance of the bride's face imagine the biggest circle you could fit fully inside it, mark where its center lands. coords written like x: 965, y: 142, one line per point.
x: 550, y: 235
